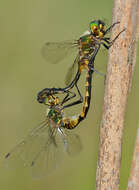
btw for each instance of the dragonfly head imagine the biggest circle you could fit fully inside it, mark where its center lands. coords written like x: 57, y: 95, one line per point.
x: 47, y: 98
x: 97, y: 28
x: 51, y: 100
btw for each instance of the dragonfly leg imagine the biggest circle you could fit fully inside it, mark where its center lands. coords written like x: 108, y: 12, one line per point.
x: 76, y: 102
x: 109, y: 29
x: 67, y: 98
x: 107, y: 40
x: 117, y: 37
x: 105, y: 45
x: 110, y: 43
x: 102, y: 74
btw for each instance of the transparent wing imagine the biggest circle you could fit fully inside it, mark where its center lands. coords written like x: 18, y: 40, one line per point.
x: 49, y: 156
x: 42, y: 149
x: 29, y: 147
x: 71, y: 71
x: 54, y: 52
x: 73, y: 144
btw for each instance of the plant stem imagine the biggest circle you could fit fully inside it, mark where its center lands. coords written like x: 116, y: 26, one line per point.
x: 119, y: 74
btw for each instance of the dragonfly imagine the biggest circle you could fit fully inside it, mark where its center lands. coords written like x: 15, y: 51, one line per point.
x: 88, y: 46
x: 74, y: 121
x: 45, y: 146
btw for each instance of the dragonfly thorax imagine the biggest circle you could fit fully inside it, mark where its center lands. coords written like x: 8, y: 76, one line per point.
x: 55, y: 115
x: 87, y: 44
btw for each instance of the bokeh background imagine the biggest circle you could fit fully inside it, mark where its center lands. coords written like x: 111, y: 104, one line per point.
x: 24, y: 27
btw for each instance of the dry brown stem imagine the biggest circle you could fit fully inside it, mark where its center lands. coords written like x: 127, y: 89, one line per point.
x: 119, y: 74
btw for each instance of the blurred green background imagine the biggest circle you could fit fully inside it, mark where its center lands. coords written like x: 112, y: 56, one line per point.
x: 24, y: 27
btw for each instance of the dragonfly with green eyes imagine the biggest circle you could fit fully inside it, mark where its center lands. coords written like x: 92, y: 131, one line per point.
x: 87, y: 44
x: 45, y: 146
x: 87, y: 47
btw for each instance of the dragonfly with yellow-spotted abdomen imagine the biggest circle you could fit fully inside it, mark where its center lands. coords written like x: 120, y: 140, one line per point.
x: 88, y: 46
x: 45, y: 145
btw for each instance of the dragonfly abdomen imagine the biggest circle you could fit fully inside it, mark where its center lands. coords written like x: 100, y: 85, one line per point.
x: 71, y: 123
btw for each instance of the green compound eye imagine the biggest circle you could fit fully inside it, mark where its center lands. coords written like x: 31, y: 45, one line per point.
x: 93, y: 24
x: 96, y: 24
x: 97, y: 28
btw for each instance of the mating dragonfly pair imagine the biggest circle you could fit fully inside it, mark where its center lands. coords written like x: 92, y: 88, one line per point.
x: 42, y: 149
